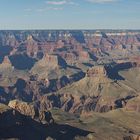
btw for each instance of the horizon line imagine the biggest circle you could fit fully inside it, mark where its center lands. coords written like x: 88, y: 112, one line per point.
x: 33, y: 29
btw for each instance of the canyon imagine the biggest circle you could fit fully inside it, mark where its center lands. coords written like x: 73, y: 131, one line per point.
x: 86, y: 80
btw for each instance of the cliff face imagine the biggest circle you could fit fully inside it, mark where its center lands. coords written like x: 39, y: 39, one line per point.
x: 96, y: 71
x: 48, y: 61
x: 31, y: 46
x: 17, y: 126
x: 32, y: 111
x: 45, y: 65
x: 23, y: 107
x: 96, y: 92
x: 81, y: 73
x: 81, y: 42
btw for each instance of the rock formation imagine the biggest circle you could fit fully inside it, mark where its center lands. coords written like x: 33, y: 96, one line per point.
x: 32, y: 46
x: 32, y: 111
x: 95, y: 92
x: 45, y: 65
x: 81, y: 73
x: 96, y: 71
x: 50, y: 61
x: 16, y: 126
x: 6, y: 63
x: 22, y: 107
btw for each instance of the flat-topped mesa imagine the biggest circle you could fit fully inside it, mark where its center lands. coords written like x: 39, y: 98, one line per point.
x: 96, y: 71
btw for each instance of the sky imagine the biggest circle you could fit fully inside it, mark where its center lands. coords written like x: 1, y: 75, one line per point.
x: 69, y: 14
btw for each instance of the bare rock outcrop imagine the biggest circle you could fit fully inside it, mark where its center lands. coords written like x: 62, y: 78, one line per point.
x: 96, y: 71
x: 45, y: 65
x: 22, y: 107
x: 6, y: 63
x: 32, y: 111
x: 16, y: 126
x: 49, y: 61
x: 77, y: 104
x: 32, y: 46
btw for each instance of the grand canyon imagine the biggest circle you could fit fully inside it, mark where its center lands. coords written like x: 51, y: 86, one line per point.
x: 70, y: 85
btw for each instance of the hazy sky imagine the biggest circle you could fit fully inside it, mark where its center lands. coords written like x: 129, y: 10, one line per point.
x: 69, y: 14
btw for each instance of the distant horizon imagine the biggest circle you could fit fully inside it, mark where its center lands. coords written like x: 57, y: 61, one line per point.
x: 68, y: 29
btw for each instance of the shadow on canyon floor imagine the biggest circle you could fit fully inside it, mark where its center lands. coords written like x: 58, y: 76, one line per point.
x: 32, y: 130
x: 113, y: 72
